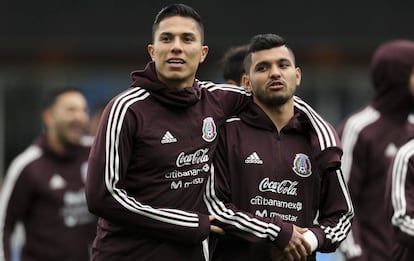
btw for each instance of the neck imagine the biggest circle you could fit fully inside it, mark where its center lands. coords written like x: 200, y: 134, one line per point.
x: 279, y: 115
x: 178, y: 84
x: 55, y: 144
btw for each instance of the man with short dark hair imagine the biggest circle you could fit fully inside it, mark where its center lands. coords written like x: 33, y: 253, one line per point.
x: 276, y: 185
x: 153, y: 149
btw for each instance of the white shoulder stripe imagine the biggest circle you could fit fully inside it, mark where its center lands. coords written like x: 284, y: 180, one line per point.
x: 231, y: 88
x: 323, y: 129
x: 353, y: 127
x: 233, y: 119
x: 112, y: 167
x: 238, y: 219
x: 205, y: 84
x: 400, y: 217
x: 211, y: 86
x: 13, y: 173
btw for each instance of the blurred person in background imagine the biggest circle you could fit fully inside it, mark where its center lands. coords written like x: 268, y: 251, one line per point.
x: 370, y: 139
x: 400, y: 200
x: 152, y: 151
x: 44, y: 187
x: 276, y: 185
x: 232, y: 65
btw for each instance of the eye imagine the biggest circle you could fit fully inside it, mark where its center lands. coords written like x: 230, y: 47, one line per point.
x: 165, y: 38
x: 284, y: 64
x: 187, y: 38
x: 261, y: 68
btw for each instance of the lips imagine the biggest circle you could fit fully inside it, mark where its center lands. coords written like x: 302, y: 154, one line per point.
x: 175, y: 61
x: 77, y: 128
x: 277, y: 84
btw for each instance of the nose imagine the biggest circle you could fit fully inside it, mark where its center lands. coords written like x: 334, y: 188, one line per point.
x: 275, y: 71
x: 176, y: 45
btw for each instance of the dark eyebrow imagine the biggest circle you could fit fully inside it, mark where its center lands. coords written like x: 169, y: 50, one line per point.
x: 266, y: 63
x: 284, y: 60
x: 262, y: 63
x: 187, y: 34
x: 165, y: 34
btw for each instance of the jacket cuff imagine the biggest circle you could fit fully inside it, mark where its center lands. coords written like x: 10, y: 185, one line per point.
x: 203, y: 229
x: 311, y: 239
x: 285, y: 234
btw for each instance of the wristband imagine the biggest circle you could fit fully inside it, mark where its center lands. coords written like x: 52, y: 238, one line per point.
x: 311, y: 239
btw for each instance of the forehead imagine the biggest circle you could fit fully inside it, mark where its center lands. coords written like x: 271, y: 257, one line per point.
x: 70, y: 99
x: 178, y: 25
x: 271, y: 55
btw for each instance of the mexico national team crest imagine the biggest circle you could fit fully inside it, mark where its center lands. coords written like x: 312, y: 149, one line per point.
x: 302, y: 165
x: 209, y: 129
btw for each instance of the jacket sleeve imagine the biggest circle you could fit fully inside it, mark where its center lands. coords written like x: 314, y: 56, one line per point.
x: 16, y: 197
x: 354, y: 172
x: 236, y: 222
x: 402, y: 194
x: 106, y: 193
x: 335, y: 211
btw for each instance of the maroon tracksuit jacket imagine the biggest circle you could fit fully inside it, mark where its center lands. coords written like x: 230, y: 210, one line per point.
x: 148, y: 167
x: 263, y: 181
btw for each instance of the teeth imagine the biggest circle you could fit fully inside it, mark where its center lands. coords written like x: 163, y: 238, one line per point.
x: 175, y: 61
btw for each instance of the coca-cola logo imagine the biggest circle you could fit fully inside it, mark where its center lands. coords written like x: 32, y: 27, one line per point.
x: 285, y: 187
x: 199, y: 156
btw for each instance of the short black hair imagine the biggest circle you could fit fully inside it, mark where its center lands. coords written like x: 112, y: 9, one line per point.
x: 51, y: 96
x: 178, y: 10
x: 263, y: 42
x: 232, y: 63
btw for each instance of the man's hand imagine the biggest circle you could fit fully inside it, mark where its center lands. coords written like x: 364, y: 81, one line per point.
x: 215, y: 229
x: 297, y: 249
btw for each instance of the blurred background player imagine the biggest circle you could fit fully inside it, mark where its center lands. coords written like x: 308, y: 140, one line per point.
x: 44, y: 187
x: 232, y: 66
x: 400, y: 201
x: 370, y: 139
